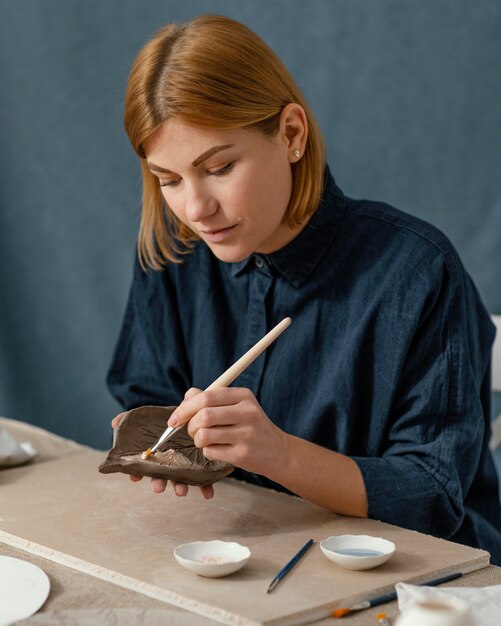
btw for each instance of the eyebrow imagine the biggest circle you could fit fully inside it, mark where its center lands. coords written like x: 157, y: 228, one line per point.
x: 200, y: 159
x: 203, y: 157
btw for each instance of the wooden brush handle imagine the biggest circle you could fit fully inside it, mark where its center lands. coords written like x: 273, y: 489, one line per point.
x: 229, y: 376
x: 244, y: 361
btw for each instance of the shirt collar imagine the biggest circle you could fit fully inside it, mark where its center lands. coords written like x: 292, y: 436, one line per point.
x: 297, y: 260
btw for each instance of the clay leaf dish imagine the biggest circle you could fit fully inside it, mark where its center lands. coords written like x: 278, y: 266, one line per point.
x: 178, y: 460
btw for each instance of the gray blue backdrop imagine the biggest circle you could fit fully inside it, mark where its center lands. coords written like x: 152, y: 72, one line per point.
x: 407, y: 93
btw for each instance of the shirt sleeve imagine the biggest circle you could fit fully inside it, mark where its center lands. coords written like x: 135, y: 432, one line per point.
x: 437, y: 433
x: 149, y: 365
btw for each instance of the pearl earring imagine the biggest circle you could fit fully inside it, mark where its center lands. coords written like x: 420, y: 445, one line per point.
x: 296, y: 153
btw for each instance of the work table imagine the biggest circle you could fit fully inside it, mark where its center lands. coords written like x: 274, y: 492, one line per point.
x: 72, y: 589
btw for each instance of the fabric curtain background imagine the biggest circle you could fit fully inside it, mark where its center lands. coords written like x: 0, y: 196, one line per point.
x: 407, y: 94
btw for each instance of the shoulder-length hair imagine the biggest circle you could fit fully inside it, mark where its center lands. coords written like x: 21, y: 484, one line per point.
x: 211, y: 72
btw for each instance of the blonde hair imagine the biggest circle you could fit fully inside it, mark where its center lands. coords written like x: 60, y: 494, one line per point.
x: 212, y: 72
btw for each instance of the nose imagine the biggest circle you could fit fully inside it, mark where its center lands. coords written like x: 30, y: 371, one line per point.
x: 200, y: 204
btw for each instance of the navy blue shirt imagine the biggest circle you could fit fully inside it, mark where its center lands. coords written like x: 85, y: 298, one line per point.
x: 387, y: 359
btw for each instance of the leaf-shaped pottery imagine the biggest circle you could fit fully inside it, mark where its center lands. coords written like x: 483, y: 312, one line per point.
x: 178, y: 459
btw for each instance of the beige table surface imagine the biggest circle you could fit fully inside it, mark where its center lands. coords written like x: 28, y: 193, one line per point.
x: 71, y: 589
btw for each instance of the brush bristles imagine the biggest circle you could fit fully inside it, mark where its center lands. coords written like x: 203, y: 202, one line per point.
x: 146, y: 454
x: 337, y: 613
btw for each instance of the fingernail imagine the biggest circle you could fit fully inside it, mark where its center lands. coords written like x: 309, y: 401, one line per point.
x: 172, y: 420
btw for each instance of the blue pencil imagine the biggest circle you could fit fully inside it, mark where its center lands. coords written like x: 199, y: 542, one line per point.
x: 286, y: 568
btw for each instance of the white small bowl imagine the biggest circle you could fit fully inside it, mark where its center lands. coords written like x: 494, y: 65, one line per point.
x: 212, y: 559
x: 357, y: 552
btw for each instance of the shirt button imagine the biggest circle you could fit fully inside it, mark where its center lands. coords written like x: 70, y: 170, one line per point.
x: 258, y: 261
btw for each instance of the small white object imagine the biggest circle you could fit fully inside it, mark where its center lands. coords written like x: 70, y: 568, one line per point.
x: 13, y: 453
x: 24, y: 587
x: 484, y: 603
x: 444, y: 612
x: 212, y: 559
x: 357, y: 552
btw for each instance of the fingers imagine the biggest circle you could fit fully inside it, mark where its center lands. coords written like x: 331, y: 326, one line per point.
x: 180, y: 489
x: 214, y: 397
x: 117, y: 419
x: 158, y: 485
x: 223, y: 435
x: 211, y: 417
x: 207, y: 491
x: 194, y: 391
x: 191, y: 393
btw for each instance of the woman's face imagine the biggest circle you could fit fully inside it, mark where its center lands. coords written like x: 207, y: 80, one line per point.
x: 231, y: 187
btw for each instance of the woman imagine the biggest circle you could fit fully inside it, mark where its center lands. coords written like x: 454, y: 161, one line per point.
x: 376, y: 401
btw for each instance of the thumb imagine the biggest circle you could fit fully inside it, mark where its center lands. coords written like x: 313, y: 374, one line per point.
x: 117, y: 419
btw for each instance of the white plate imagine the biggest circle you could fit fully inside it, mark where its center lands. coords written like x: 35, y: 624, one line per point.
x: 357, y: 552
x: 212, y: 559
x: 24, y: 587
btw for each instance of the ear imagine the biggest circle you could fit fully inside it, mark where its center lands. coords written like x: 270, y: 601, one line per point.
x: 294, y: 130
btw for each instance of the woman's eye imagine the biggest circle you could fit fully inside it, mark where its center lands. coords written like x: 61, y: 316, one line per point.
x: 169, y: 183
x: 222, y: 170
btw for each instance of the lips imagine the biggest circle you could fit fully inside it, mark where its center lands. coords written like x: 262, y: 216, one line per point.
x: 216, y: 236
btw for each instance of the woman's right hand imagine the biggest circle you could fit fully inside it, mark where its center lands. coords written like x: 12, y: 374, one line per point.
x: 158, y: 485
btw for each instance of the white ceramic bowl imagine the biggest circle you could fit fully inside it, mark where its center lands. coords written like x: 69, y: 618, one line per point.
x: 357, y: 552
x: 212, y: 559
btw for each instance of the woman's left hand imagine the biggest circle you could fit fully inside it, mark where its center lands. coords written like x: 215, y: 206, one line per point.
x: 158, y: 485
x: 228, y: 424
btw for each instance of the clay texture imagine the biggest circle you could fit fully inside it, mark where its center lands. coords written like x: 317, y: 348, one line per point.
x: 178, y: 459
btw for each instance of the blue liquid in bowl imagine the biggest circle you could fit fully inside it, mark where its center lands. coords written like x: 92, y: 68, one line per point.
x: 359, y: 552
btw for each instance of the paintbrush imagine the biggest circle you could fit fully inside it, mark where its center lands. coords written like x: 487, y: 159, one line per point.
x: 389, y: 597
x: 288, y: 566
x: 229, y: 376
